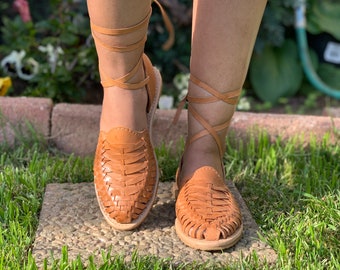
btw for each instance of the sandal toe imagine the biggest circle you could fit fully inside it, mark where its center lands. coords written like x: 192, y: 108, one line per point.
x: 126, y: 177
x: 208, y: 216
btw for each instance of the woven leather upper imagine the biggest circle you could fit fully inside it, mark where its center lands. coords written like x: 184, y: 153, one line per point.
x: 205, y: 207
x: 125, y: 173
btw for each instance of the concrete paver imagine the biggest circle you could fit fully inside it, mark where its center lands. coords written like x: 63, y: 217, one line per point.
x: 71, y: 217
x: 74, y: 128
x: 285, y: 126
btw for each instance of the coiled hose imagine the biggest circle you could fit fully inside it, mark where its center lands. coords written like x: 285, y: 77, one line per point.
x: 312, y: 76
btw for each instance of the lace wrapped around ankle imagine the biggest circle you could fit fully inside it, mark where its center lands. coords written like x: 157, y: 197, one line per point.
x: 125, y: 167
x: 207, y: 215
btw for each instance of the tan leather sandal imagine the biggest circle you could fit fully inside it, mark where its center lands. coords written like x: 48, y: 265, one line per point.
x: 125, y: 166
x: 207, y: 215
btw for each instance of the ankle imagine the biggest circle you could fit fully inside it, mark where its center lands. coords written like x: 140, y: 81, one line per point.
x: 199, y: 154
x: 124, y: 108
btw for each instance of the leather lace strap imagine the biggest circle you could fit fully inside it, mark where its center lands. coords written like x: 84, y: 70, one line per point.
x: 122, y: 82
x: 230, y: 97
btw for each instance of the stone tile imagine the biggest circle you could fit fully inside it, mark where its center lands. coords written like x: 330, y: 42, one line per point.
x: 74, y: 128
x: 71, y: 217
x: 18, y: 113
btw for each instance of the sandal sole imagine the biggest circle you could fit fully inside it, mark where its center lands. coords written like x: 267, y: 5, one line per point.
x: 208, y: 245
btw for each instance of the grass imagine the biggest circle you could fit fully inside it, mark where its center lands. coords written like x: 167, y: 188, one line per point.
x: 292, y: 191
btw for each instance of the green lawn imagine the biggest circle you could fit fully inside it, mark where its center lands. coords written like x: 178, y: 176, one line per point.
x: 293, y: 193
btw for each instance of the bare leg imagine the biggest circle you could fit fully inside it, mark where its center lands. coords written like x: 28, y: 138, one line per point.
x: 121, y: 107
x: 223, y: 37
x: 224, y: 31
x: 125, y: 168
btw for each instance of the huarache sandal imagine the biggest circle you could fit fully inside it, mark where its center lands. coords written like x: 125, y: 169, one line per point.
x: 125, y: 166
x: 207, y: 215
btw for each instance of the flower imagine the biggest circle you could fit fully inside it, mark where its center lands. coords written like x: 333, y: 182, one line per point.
x: 181, y: 81
x: 166, y: 102
x: 29, y: 69
x: 11, y: 62
x: 52, y: 54
x: 23, y: 8
x: 243, y: 104
x: 5, y: 84
x: 183, y: 94
x: 14, y: 63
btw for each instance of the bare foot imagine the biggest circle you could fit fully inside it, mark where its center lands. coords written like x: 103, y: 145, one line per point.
x: 124, y: 108
x: 202, y: 152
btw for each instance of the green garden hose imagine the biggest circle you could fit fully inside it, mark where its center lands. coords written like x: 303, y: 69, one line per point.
x: 312, y: 76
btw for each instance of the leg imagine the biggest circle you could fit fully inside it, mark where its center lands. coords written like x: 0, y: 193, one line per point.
x: 223, y: 37
x: 121, y: 107
x: 125, y: 167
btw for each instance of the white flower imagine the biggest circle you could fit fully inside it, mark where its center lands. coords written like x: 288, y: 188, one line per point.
x: 183, y: 94
x: 181, y: 81
x: 29, y: 69
x: 52, y: 54
x: 14, y: 63
x: 166, y: 102
x: 243, y: 104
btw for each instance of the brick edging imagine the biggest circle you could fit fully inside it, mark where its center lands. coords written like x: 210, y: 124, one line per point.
x: 74, y: 128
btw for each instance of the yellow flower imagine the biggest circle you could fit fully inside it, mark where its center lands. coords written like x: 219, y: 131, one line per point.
x: 5, y: 84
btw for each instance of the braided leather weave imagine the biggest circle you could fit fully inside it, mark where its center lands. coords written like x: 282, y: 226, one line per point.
x: 207, y: 215
x: 125, y: 166
x: 205, y: 207
x: 125, y: 173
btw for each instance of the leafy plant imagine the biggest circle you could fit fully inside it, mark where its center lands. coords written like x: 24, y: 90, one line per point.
x: 60, y: 47
x: 277, y: 21
x: 276, y: 72
x: 324, y: 16
x: 330, y: 74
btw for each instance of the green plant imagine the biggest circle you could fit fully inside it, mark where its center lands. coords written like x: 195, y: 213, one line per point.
x: 51, y: 58
x: 275, y: 69
x: 276, y: 24
x: 323, y: 16
x: 59, y: 42
x: 276, y: 72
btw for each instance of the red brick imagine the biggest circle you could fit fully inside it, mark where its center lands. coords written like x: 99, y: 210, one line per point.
x: 285, y: 126
x: 333, y: 112
x: 17, y: 112
x: 75, y: 128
